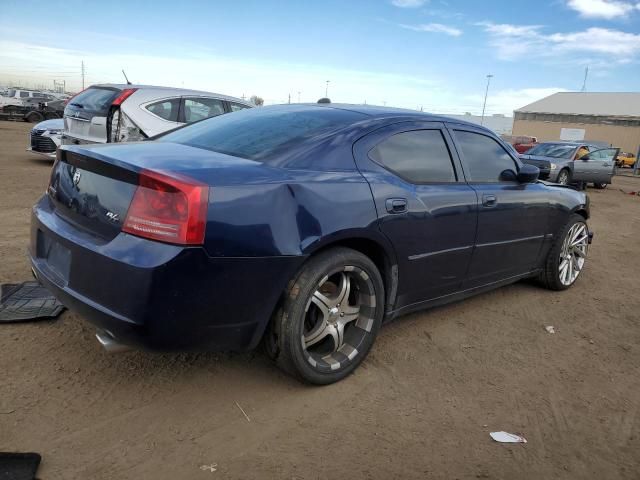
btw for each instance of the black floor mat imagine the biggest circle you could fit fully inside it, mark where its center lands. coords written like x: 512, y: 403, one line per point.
x: 18, y: 466
x: 27, y: 301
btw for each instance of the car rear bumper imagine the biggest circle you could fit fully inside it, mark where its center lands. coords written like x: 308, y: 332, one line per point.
x: 157, y: 296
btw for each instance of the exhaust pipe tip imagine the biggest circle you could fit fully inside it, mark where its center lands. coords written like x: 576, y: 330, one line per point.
x: 109, y: 343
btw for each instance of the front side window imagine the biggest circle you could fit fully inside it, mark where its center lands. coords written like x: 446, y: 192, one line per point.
x: 24, y: 94
x: 485, y: 159
x: 419, y: 156
x: 200, y: 108
x: 165, y: 109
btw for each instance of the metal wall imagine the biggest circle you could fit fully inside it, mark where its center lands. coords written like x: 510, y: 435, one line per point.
x: 627, y: 138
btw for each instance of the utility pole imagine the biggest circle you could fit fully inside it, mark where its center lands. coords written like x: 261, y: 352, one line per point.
x: 486, y: 92
x: 289, y: 101
x: 243, y: 96
x: 298, y: 97
x: 326, y: 90
x: 584, y: 82
x: 82, y: 67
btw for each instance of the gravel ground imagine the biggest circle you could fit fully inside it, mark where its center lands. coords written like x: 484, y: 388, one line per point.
x: 421, y: 406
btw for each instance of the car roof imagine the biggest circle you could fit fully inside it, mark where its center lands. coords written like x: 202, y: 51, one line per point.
x: 172, y: 90
x: 570, y: 144
x: 393, y: 112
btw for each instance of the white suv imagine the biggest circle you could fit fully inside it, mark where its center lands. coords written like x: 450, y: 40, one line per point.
x: 128, y: 113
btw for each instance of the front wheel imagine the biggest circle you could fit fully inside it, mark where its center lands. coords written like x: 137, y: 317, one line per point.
x: 330, y: 317
x: 567, y: 256
x: 564, y: 177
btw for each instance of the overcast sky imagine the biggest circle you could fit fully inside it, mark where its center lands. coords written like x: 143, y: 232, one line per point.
x: 433, y: 54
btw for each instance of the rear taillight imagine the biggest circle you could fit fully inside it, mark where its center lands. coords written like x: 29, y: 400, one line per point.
x: 124, y: 94
x: 168, y: 207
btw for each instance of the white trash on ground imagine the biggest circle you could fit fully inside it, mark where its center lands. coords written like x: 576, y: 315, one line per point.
x: 506, y: 437
x: 550, y: 329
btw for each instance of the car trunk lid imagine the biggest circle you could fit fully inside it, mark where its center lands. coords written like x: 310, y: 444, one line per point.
x: 93, y: 186
x: 92, y: 195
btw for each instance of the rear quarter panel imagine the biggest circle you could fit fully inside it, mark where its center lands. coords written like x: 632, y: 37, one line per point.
x: 291, y: 216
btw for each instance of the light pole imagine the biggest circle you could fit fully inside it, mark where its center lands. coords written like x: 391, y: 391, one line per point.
x: 326, y: 90
x: 298, y: 97
x: 486, y: 92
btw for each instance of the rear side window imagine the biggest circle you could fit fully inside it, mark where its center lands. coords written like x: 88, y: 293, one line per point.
x: 484, y: 158
x: 262, y: 133
x: 237, y: 106
x: 166, y: 109
x: 419, y: 156
x: 200, y: 108
x: 94, y: 99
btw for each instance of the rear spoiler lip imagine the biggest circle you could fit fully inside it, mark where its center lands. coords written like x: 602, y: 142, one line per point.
x: 93, y: 161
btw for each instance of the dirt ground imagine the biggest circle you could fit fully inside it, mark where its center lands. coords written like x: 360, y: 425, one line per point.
x: 421, y: 406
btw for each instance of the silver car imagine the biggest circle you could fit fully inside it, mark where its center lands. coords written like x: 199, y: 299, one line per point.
x: 45, y: 137
x: 127, y: 113
x: 573, y: 162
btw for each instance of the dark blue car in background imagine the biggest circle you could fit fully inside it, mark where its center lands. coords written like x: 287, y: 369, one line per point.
x: 302, y: 226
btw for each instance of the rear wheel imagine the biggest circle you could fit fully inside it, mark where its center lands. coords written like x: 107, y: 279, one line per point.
x: 564, y: 177
x: 34, y: 117
x: 330, y: 317
x: 567, y: 256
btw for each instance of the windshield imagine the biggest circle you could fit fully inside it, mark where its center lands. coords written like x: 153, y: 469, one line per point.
x: 553, y: 150
x: 94, y: 99
x: 257, y: 133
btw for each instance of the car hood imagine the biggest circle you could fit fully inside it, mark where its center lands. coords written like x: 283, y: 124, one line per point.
x: 53, y: 124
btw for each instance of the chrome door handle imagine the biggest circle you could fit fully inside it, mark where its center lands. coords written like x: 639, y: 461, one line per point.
x: 489, y: 200
x: 396, y: 205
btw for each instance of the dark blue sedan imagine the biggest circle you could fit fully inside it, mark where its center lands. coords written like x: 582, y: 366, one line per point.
x: 305, y: 227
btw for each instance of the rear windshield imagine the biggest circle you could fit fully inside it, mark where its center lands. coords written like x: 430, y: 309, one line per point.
x: 94, y: 99
x: 552, y: 150
x: 258, y: 133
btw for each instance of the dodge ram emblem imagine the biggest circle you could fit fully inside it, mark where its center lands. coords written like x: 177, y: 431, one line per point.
x: 76, y: 178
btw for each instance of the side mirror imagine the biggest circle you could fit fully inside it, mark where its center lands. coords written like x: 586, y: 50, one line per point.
x: 528, y: 173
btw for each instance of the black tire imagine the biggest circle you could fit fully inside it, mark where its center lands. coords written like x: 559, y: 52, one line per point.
x: 550, y: 276
x: 320, y: 363
x: 564, y: 177
x: 34, y: 117
x: 600, y: 186
x: 51, y: 115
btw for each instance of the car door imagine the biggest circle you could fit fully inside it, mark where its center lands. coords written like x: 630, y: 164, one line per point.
x: 597, y: 166
x: 424, y: 206
x: 512, y: 217
x: 198, y: 108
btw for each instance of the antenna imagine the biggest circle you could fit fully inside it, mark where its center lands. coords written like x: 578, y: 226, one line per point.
x: 125, y: 77
x: 584, y: 83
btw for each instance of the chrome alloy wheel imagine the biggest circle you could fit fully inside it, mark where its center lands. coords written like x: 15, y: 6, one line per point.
x: 573, y: 253
x: 563, y: 177
x: 338, y: 317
